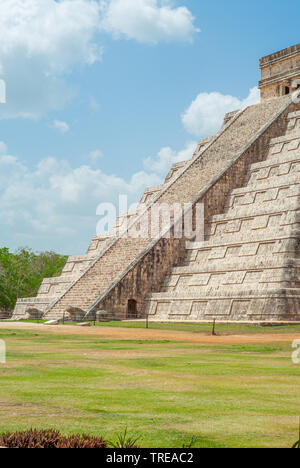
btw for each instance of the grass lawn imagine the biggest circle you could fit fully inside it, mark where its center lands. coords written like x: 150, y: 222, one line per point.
x: 222, y: 328
x: 226, y: 395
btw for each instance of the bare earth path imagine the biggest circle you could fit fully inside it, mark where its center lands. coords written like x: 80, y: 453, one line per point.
x: 144, y: 334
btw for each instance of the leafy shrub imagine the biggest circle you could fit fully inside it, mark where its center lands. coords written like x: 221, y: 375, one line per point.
x: 49, y: 439
x: 124, y: 441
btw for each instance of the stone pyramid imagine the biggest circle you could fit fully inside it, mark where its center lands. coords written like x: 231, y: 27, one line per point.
x: 248, y: 268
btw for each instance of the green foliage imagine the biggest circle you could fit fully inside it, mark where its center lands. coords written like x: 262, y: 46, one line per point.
x: 124, y: 441
x: 49, y: 439
x: 22, y: 272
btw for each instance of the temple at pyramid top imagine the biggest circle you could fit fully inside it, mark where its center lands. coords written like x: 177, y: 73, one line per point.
x: 280, y: 73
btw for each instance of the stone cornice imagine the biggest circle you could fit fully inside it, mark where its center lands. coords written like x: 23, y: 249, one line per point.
x: 279, y: 56
x: 278, y: 78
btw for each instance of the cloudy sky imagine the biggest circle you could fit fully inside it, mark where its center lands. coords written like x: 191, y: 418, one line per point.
x: 102, y: 96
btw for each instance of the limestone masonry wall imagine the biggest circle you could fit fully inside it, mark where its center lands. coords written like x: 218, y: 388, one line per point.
x: 248, y: 267
x: 279, y: 71
x: 110, y: 268
x: 247, y: 178
x: 213, y: 197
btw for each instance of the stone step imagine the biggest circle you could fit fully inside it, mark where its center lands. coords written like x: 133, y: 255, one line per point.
x: 251, y: 251
x: 294, y: 121
x: 251, y: 229
x: 38, y: 302
x: 213, y: 259
x: 188, y: 282
x: 290, y: 157
x: 227, y: 264
x: 59, y: 279
x: 276, y: 181
x: 246, y: 196
x: 75, y: 264
x: 98, y: 243
x: 152, y: 192
x: 82, y: 292
x: 236, y: 282
x: 284, y: 150
x: 267, y: 208
x: 53, y: 287
x: 220, y: 293
x: 290, y: 165
x: 292, y: 139
x: 236, y: 223
x: 230, y: 143
x: 244, y: 246
x: 121, y: 270
x: 273, y: 304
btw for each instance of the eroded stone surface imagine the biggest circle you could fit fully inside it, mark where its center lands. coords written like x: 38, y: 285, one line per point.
x: 247, y: 178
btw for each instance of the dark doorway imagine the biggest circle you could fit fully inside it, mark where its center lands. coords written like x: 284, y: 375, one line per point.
x: 132, y: 309
x: 287, y: 90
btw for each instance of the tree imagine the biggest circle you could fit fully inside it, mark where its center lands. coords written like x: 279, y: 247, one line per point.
x: 22, y: 272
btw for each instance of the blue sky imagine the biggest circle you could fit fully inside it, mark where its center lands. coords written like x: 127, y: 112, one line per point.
x: 103, y: 96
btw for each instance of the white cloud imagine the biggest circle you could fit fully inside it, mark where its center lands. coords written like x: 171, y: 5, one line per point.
x: 42, y: 40
x: 252, y: 99
x: 96, y: 154
x: 148, y: 21
x: 162, y: 163
x: 53, y: 205
x: 60, y: 33
x: 39, y: 41
x: 61, y: 126
x: 206, y: 113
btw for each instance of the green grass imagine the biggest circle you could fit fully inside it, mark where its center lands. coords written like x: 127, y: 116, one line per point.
x: 165, y: 391
x: 221, y: 328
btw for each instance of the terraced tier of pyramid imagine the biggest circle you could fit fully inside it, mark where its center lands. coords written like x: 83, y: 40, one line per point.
x: 249, y: 265
x: 248, y: 268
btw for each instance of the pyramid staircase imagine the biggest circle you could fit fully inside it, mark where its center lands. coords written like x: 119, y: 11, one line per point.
x: 248, y: 268
x: 53, y: 288
x: 246, y: 177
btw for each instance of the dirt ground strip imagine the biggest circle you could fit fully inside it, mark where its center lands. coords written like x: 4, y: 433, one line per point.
x: 144, y: 334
